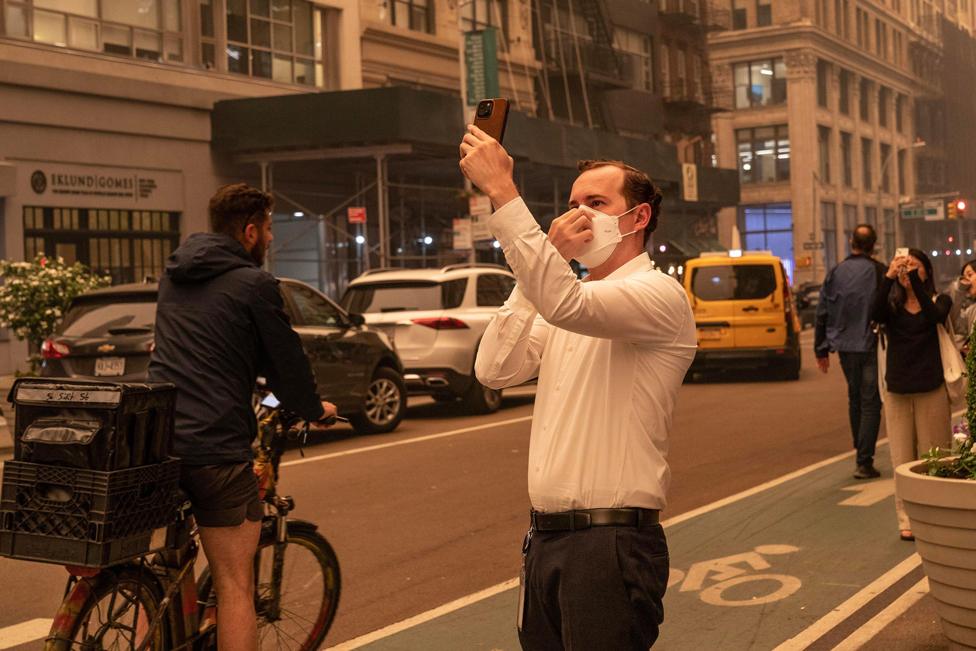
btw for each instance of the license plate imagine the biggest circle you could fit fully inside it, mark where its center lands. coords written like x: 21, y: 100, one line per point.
x: 110, y: 366
x: 710, y: 335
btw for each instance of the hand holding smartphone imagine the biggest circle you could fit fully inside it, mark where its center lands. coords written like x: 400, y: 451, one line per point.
x: 491, y: 116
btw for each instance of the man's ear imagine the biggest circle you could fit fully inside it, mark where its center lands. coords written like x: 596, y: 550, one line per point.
x: 642, y: 216
x: 251, y: 235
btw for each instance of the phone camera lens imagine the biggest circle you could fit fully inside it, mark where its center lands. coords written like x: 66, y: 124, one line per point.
x: 484, y: 108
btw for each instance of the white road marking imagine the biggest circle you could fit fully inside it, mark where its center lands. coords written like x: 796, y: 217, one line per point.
x: 418, y: 439
x: 457, y: 604
x: 24, y: 632
x: 427, y: 616
x: 873, y: 626
x: 869, y: 493
x: 806, y: 637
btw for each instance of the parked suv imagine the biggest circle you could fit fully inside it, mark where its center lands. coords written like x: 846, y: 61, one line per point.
x: 436, y: 318
x: 108, y: 334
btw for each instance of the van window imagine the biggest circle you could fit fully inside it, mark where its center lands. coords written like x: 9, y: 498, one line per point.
x: 733, y: 282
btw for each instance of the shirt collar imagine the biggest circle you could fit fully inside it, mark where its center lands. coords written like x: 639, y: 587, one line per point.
x: 640, y: 263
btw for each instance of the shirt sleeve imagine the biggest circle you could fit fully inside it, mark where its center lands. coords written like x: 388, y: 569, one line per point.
x: 287, y: 367
x: 641, y: 308
x: 821, y: 346
x: 511, y: 349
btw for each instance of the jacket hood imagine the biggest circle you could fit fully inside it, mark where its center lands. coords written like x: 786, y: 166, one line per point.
x: 204, y: 256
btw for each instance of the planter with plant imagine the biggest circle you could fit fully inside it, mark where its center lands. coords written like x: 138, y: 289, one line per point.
x: 940, y: 497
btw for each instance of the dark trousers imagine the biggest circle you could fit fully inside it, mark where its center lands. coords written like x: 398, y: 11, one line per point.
x: 863, y: 402
x: 593, y: 589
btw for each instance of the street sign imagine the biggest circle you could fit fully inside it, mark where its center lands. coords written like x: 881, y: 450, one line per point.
x: 689, y: 181
x: 479, y: 204
x: 481, y: 64
x: 356, y: 214
x: 479, y: 228
x: 462, y: 233
x: 934, y: 210
x: 912, y: 211
x: 812, y: 246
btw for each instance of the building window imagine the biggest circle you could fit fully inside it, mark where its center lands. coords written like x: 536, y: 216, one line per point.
x: 739, y: 20
x: 828, y: 223
x: 760, y: 83
x: 867, y: 151
x: 844, y: 97
x: 847, y: 19
x: 847, y: 159
x: 764, y: 154
x: 144, y: 30
x: 273, y: 39
x: 823, y: 141
x: 871, y: 216
x: 850, y: 221
x: 636, y: 46
x: 889, y: 233
x: 412, y: 14
x: 885, y: 168
x: 769, y: 227
x: 479, y: 14
x: 823, y: 74
x: 764, y: 13
x: 128, y: 245
x: 884, y: 97
x: 901, y: 172
x: 900, y: 113
x: 864, y: 100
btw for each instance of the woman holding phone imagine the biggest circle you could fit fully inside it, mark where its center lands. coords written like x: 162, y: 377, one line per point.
x: 916, y: 404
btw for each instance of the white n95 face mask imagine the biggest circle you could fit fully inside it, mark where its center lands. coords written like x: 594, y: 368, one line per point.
x: 606, y: 237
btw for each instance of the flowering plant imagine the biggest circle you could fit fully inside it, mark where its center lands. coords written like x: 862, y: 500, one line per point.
x: 35, y: 295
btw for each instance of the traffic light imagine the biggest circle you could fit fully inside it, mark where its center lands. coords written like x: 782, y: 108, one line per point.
x: 951, y: 210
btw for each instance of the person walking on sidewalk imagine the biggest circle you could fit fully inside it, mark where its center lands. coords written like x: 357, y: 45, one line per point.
x: 843, y: 325
x: 963, y: 313
x: 916, y: 404
x: 610, y: 353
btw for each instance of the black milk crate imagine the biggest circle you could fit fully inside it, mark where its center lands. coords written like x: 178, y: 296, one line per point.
x: 92, y: 425
x: 85, y: 517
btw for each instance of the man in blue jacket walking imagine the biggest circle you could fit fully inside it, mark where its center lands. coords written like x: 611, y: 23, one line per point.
x: 843, y: 326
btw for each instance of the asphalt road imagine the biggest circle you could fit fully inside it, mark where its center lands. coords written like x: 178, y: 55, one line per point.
x: 420, y: 520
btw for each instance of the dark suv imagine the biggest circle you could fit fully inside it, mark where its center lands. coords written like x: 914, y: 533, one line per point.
x: 108, y: 334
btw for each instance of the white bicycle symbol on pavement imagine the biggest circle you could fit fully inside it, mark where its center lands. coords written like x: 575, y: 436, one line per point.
x: 731, y: 571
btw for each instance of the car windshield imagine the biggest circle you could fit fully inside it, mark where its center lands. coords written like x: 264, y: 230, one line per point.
x: 404, y: 296
x: 733, y: 282
x: 110, y: 314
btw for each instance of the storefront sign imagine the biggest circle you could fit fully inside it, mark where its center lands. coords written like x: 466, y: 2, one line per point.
x: 462, y: 233
x: 481, y: 64
x: 83, y: 186
x: 480, y: 208
x: 689, y: 181
x: 356, y: 214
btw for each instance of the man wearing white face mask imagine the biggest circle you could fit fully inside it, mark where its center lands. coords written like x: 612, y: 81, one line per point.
x: 610, y: 354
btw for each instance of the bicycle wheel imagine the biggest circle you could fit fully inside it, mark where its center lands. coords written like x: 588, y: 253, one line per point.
x: 114, y: 613
x: 309, y: 588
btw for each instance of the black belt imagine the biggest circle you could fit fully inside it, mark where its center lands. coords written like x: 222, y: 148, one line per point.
x: 586, y: 518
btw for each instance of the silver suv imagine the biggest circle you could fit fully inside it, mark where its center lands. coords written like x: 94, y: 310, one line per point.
x: 435, y: 318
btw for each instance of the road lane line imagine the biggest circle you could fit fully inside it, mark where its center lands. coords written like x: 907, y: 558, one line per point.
x: 418, y: 439
x: 24, y: 632
x: 457, y: 604
x: 876, y: 624
x: 849, y: 607
x: 426, y: 616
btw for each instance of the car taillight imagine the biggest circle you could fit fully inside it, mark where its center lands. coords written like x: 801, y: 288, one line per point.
x: 51, y: 349
x: 442, y: 323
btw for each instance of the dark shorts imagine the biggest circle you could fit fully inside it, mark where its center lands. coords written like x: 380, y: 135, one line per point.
x: 222, y: 495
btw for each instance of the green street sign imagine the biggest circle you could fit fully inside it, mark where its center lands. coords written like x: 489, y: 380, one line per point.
x: 481, y: 64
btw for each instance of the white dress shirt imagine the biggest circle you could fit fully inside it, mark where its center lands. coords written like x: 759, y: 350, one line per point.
x: 610, y: 356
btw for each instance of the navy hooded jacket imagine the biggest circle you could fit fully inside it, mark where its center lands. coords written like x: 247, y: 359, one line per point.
x: 220, y: 323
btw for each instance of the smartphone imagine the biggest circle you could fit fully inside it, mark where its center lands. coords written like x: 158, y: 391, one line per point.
x: 901, y: 251
x: 491, y: 116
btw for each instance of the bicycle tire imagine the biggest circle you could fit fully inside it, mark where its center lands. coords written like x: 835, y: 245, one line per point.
x: 84, y: 602
x: 304, y: 535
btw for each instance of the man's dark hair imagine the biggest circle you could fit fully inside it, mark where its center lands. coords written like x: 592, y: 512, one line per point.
x: 898, y: 295
x: 637, y: 189
x: 235, y: 206
x: 864, y: 238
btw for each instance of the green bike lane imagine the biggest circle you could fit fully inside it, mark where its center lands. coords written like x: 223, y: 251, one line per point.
x: 800, y: 562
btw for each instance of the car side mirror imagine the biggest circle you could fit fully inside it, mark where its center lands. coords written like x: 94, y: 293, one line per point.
x: 358, y: 320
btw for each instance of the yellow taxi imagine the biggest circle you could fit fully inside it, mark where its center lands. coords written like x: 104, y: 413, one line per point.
x: 744, y: 312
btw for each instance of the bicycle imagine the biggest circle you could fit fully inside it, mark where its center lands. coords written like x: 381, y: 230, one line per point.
x: 156, y: 602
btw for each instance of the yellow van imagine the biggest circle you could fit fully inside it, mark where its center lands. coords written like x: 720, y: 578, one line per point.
x: 744, y: 312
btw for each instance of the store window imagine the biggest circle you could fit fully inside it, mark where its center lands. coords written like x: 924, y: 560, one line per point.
x: 764, y: 154
x: 637, y: 47
x: 760, y: 83
x: 479, y: 14
x: 274, y: 39
x: 149, y: 29
x: 413, y: 14
x: 128, y: 245
x: 769, y: 227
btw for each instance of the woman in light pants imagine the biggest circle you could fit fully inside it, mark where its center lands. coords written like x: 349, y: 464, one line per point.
x: 916, y: 404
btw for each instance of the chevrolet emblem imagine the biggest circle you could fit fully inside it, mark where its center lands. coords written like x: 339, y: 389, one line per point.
x: 106, y: 348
